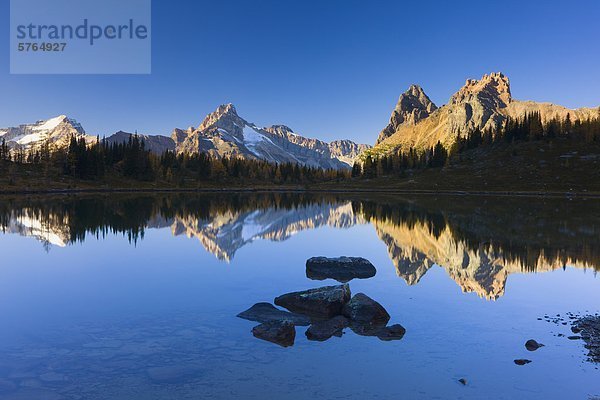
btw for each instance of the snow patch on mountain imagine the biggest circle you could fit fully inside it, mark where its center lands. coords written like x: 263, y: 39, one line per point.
x: 34, y: 137
x: 50, y: 124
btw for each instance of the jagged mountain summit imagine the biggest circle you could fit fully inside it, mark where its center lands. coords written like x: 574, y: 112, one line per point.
x: 480, y: 104
x: 55, y: 131
x: 223, y: 133
x: 413, y: 106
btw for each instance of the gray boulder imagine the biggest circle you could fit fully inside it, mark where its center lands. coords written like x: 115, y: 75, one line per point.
x: 323, y: 302
x: 362, y: 309
x: 392, y: 332
x: 342, y: 269
x: 282, y: 333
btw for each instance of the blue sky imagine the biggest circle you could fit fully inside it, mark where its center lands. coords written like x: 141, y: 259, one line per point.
x: 328, y: 69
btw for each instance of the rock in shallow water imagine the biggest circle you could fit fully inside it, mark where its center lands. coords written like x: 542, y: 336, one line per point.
x: 323, y: 330
x: 522, y: 361
x: 342, y: 269
x: 323, y: 302
x: 532, y: 345
x: 392, y: 332
x: 362, y: 309
x: 282, y: 333
x: 266, y: 312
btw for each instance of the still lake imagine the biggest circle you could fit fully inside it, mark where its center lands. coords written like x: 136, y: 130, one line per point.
x: 136, y: 296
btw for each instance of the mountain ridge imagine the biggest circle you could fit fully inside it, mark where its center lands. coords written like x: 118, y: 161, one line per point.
x: 484, y: 104
x: 222, y: 133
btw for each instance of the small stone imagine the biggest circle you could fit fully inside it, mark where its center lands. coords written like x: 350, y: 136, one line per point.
x: 393, y: 332
x: 532, y: 345
x: 462, y: 381
x: 281, y: 333
x: 522, y: 361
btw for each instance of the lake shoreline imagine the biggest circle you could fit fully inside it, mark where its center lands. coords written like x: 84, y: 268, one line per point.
x: 296, y: 189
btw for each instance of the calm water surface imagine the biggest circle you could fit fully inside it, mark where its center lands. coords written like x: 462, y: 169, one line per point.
x: 136, y: 297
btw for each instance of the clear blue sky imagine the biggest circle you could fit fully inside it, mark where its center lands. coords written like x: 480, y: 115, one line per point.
x: 328, y: 69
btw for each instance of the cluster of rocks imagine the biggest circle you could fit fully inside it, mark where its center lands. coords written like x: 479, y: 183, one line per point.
x: 327, y: 310
x: 589, y: 329
x: 583, y: 327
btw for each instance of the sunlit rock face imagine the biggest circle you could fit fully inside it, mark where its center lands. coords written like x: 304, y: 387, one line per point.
x: 483, y: 104
x: 413, y: 106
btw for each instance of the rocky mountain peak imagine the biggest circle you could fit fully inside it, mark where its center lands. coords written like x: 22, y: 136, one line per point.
x: 280, y: 130
x: 413, y: 106
x: 492, y: 90
x: 223, y: 117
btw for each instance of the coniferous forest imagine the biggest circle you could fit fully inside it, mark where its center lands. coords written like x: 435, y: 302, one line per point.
x: 527, y: 129
x: 131, y: 160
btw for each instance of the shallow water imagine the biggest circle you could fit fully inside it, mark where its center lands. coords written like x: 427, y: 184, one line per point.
x: 136, y: 297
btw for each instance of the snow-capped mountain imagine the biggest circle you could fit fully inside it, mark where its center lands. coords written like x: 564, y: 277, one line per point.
x: 224, y: 133
x: 55, y: 131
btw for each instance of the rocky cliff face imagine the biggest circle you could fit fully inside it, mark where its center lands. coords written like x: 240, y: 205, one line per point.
x: 480, y: 104
x: 224, y: 133
x: 413, y: 106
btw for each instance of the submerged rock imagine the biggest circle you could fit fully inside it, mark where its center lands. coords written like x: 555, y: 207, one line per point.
x: 462, y: 381
x: 342, y: 269
x: 172, y: 373
x: 266, y: 312
x: 522, y: 361
x: 362, y: 309
x: 532, y: 345
x: 282, y: 333
x: 323, y: 302
x: 392, y: 332
x: 323, y: 330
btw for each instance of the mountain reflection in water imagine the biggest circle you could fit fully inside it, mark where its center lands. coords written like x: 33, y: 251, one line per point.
x: 479, y: 241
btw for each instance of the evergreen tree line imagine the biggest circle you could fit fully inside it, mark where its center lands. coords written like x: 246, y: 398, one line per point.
x: 528, y: 128
x: 131, y: 159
